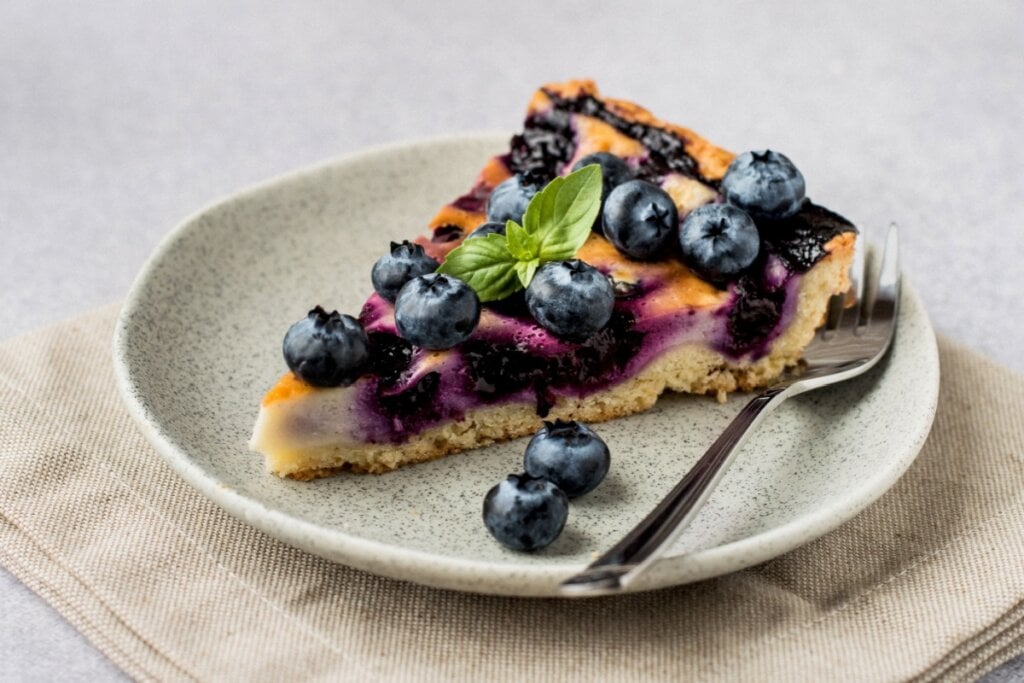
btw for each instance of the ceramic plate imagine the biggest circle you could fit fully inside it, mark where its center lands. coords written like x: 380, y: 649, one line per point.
x: 199, y: 341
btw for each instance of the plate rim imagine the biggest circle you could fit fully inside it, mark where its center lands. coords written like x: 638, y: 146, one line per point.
x: 459, y: 573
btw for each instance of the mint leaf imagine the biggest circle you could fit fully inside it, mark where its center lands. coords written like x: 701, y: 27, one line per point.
x: 486, y: 265
x: 567, y: 216
x: 526, y: 270
x: 521, y: 244
x: 541, y: 209
x: 580, y: 196
x: 556, y: 224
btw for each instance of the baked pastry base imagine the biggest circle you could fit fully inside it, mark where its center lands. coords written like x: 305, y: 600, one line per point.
x: 688, y: 368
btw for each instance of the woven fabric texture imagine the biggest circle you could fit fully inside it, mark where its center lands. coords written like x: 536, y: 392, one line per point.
x: 926, y: 583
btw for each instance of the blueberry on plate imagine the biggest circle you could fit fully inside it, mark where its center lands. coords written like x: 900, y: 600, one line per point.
x: 488, y: 228
x: 764, y: 184
x: 524, y: 512
x: 436, y: 311
x: 508, y: 201
x: 719, y: 241
x: 640, y: 219
x: 570, y: 299
x: 326, y: 349
x: 568, y: 454
x: 393, y: 270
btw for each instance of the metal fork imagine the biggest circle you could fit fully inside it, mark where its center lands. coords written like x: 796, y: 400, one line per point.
x: 854, y: 338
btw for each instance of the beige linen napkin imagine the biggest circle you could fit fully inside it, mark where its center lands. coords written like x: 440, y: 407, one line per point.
x: 927, y: 582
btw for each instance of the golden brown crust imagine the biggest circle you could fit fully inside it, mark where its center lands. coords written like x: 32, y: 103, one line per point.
x: 712, y: 161
x: 694, y: 369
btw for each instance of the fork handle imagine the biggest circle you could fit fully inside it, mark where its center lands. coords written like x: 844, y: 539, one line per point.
x: 630, y: 557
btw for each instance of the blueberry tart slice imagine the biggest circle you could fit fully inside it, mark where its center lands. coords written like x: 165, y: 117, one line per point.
x: 606, y: 257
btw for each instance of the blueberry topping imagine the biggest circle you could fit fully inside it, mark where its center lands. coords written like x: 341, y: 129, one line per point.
x: 640, y: 219
x: 569, y: 455
x: 764, y: 184
x: 800, y: 239
x: 446, y: 233
x: 489, y: 228
x: 418, y: 402
x: 436, y: 311
x: 326, y: 349
x: 513, y: 306
x: 719, y: 241
x: 614, y: 171
x: 525, y: 513
x: 390, y: 356
x: 501, y: 369
x: 667, y: 151
x: 392, y: 271
x: 570, y: 299
x: 753, y: 317
x: 509, y: 200
x: 543, y: 148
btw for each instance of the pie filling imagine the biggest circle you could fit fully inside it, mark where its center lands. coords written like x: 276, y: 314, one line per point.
x: 512, y: 358
x: 659, y: 305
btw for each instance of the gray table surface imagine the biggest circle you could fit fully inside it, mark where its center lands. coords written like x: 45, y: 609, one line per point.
x: 119, y: 119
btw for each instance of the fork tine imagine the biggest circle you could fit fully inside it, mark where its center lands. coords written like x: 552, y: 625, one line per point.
x: 852, y: 316
x: 833, y: 315
x: 885, y: 297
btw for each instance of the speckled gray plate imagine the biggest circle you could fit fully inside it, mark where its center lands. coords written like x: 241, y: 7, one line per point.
x: 199, y: 341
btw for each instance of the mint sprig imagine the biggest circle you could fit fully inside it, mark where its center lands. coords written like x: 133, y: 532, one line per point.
x: 556, y: 224
x: 486, y: 265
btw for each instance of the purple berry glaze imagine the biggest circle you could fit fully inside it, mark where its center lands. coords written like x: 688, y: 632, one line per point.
x: 446, y: 233
x: 511, y: 359
x: 475, y: 200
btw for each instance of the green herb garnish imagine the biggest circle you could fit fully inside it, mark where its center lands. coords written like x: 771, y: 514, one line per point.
x: 556, y: 224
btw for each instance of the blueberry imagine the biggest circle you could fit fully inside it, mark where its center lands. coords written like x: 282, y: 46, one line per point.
x: 524, y: 512
x: 508, y: 201
x: 764, y: 184
x: 436, y: 311
x: 568, y: 454
x: 719, y: 241
x: 570, y: 299
x: 513, y: 306
x: 614, y: 171
x: 640, y: 219
x: 485, y: 229
x: 326, y: 349
x: 392, y: 271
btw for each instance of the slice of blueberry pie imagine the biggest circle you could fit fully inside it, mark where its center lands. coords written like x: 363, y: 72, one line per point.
x: 606, y: 257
